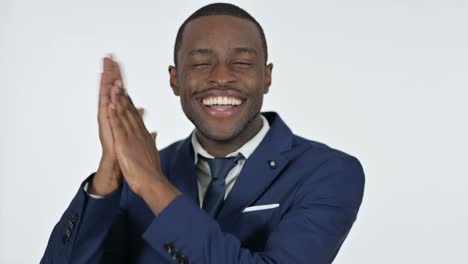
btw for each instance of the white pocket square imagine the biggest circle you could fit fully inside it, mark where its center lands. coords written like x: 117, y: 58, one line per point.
x: 260, y: 207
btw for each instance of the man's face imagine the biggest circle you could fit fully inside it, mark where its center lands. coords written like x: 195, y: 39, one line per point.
x: 221, y: 75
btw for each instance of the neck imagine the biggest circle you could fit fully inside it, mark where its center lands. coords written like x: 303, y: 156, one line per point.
x: 219, y: 149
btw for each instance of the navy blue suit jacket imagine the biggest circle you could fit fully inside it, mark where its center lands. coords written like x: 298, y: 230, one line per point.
x: 318, y: 190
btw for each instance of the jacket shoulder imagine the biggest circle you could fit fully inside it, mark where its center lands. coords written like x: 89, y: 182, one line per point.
x: 334, y: 171
x: 308, y: 148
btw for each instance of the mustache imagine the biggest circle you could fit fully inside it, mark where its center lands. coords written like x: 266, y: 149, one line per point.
x: 215, y: 90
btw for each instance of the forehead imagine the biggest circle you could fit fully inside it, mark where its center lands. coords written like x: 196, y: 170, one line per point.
x: 220, y: 33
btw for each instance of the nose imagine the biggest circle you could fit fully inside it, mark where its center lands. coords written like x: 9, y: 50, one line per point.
x: 221, y: 75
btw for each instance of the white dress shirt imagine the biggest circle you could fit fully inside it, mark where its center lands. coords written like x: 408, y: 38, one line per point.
x: 203, y: 169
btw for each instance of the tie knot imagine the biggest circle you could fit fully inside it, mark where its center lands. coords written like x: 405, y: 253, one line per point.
x: 220, y: 167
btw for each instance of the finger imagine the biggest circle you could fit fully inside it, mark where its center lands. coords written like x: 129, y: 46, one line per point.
x: 118, y: 130
x: 137, y: 123
x: 107, y: 71
x: 131, y: 117
x: 102, y: 109
x: 120, y: 109
x: 107, y: 64
x: 115, y: 93
x: 104, y: 97
x: 111, y: 71
x: 124, y: 99
x: 135, y: 116
x: 117, y: 74
x: 105, y: 83
x: 141, y: 112
x: 106, y: 79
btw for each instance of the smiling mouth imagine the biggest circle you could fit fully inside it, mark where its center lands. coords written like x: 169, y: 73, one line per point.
x: 222, y: 106
x: 221, y: 103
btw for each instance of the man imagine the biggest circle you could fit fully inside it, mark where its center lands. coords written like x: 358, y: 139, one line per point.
x: 240, y: 189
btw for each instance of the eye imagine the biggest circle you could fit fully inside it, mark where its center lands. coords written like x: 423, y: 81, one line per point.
x: 242, y: 64
x: 201, y: 65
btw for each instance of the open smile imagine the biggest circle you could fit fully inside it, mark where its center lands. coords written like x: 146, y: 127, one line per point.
x: 222, y: 106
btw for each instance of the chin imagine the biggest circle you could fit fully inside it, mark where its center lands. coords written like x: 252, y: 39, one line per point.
x: 220, y: 130
x: 219, y: 135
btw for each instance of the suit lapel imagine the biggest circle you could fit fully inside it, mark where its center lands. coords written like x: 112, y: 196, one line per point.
x: 183, y: 174
x: 257, y: 174
x: 260, y: 169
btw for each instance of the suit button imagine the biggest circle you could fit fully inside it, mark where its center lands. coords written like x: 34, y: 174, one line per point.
x: 169, y: 247
x: 70, y: 225
x: 66, y: 238
x: 175, y: 254
x: 68, y: 233
x: 181, y: 259
x: 74, y: 217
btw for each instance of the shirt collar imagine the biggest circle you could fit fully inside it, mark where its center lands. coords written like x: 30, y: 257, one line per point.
x: 246, y: 150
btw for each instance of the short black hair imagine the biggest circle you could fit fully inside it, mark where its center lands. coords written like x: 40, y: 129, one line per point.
x: 219, y: 9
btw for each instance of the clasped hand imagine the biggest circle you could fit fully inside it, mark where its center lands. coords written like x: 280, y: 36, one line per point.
x: 128, y: 149
x: 135, y: 147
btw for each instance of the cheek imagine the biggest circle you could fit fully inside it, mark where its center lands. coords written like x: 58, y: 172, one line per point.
x: 255, y: 85
x: 256, y: 93
x: 186, y: 85
x: 192, y: 80
x: 256, y: 77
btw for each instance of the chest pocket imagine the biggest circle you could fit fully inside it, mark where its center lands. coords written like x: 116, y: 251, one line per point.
x: 256, y: 223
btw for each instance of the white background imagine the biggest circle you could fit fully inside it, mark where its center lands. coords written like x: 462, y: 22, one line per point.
x: 385, y: 81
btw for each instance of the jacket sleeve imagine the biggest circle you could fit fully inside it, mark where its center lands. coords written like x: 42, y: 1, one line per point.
x: 311, y: 231
x: 90, y: 231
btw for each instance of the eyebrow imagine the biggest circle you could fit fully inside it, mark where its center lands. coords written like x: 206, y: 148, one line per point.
x: 245, y: 50
x: 200, y: 52
x: 210, y: 51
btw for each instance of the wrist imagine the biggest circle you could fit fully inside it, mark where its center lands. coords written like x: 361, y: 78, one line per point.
x: 158, y: 194
x: 108, y: 165
x: 107, y: 179
x: 102, y: 186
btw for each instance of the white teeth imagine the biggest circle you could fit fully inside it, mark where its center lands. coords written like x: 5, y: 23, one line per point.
x: 221, y: 101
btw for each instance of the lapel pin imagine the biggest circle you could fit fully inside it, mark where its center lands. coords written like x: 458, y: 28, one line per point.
x: 272, y: 164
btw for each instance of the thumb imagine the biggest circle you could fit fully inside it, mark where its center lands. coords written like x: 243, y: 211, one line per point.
x: 141, y: 111
x: 153, y: 135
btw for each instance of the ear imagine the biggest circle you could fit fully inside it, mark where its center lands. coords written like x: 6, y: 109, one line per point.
x: 268, y: 71
x: 173, y: 80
